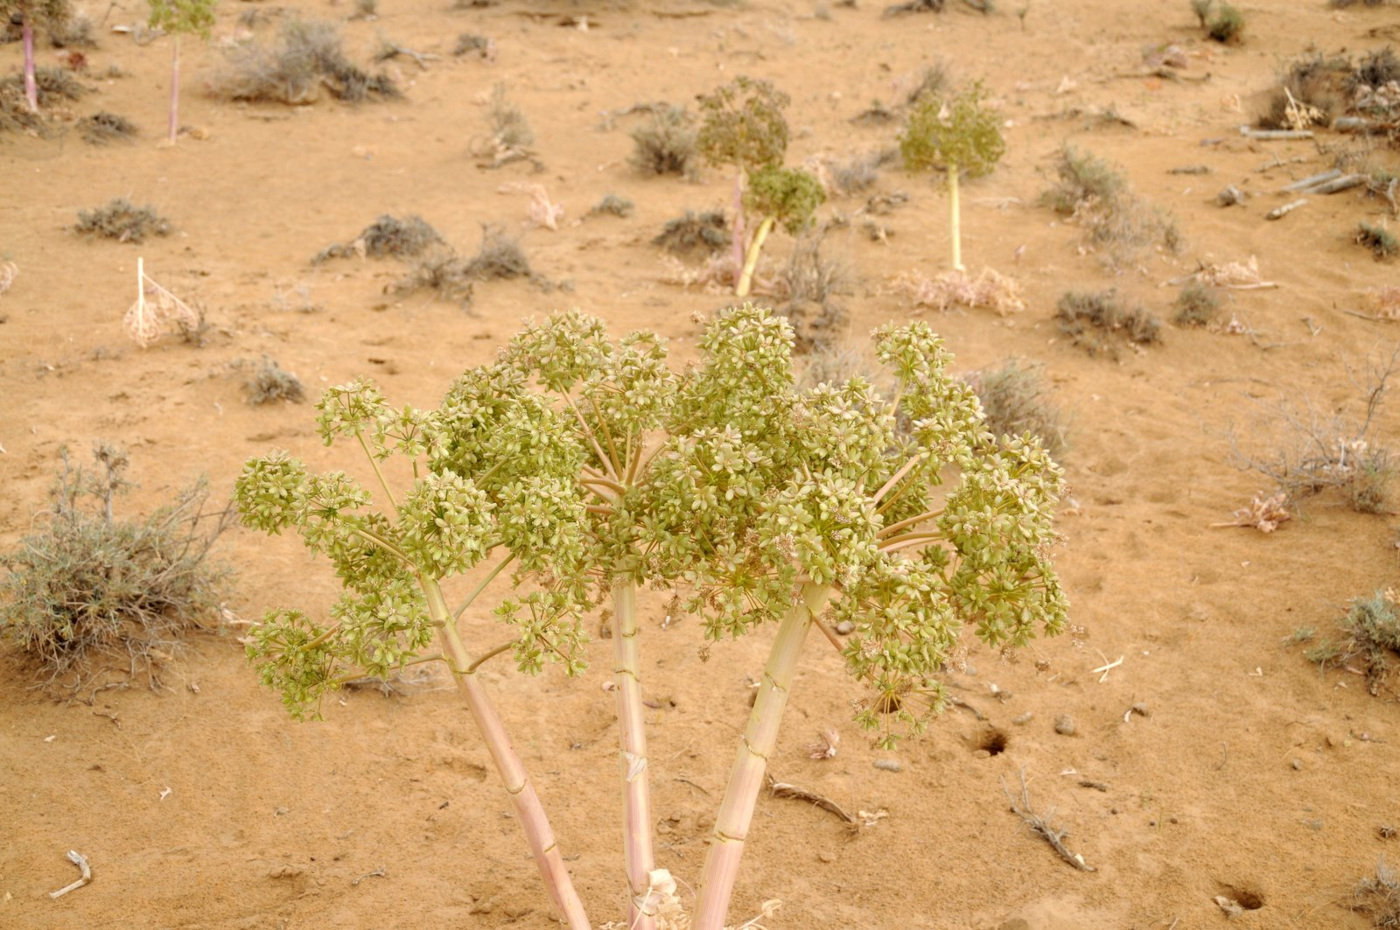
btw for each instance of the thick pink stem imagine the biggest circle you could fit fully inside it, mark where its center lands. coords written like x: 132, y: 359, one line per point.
x: 636, y: 776
x: 175, y: 89
x: 528, y: 809
x: 755, y: 747
x: 31, y: 86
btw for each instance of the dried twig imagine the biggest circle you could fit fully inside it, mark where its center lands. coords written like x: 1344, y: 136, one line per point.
x: 784, y: 790
x: 77, y: 859
x: 377, y: 873
x: 1280, y: 212
x: 154, y: 307
x: 1263, y: 514
x: 1039, y: 824
x: 8, y: 272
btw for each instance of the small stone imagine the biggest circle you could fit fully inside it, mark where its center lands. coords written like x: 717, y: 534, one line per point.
x: 1230, y: 196
x: 1064, y: 725
x: 482, y: 907
x: 981, y: 754
x: 888, y: 765
x: 825, y: 857
x: 1141, y: 709
x: 1015, y: 923
x: 845, y: 628
x: 1297, y: 765
x: 1023, y: 719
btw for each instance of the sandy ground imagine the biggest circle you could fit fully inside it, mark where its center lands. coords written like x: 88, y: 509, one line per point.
x: 203, y: 805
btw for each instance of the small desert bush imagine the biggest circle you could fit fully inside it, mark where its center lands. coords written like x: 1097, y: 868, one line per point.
x: 499, y: 258
x: 854, y: 175
x: 1369, y: 641
x: 693, y: 234
x: 957, y: 290
x: 103, y: 128
x: 1342, y: 4
x: 1196, y: 305
x: 613, y: 205
x: 1378, y: 896
x: 1015, y: 399
x: 387, y: 237
x: 1094, y: 196
x: 511, y: 134
x: 451, y: 276
x: 1309, y: 93
x: 271, y: 383
x: 665, y: 144
x: 471, y: 44
x: 308, y: 55
x: 1378, y: 239
x: 87, y: 595
x: 123, y: 221
x: 1222, y: 22
x: 1097, y: 322
x: 1376, y: 69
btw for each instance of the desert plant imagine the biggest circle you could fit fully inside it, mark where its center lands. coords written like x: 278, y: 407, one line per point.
x: 51, y: 14
x: 742, y: 124
x: 1226, y: 25
x: 1013, y: 397
x: 180, y: 17
x: 1307, y: 451
x: 1378, y: 896
x: 666, y: 143
x: 692, y: 233
x: 511, y: 135
x: 1376, y: 69
x: 1092, y: 194
x: 954, y: 135
x: 102, y: 128
x: 1196, y: 305
x: 122, y: 220
x: 613, y: 205
x: 387, y: 237
x: 469, y: 43
x: 451, y: 276
x: 88, y: 595
x: 779, y: 195
x: 270, y: 382
x: 1310, y: 93
x: 306, y: 56
x: 1093, y: 320
x: 1379, y: 240
x: 1370, y: 641
x: 1202, y: 10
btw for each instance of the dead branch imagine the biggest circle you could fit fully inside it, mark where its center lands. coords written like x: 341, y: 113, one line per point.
x: 77, y: 859
x: 784, y: 790
x: 1040, y: 825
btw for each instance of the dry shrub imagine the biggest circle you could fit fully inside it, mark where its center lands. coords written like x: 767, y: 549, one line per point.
x: 1098, y: 323
x: 54, y: 84
x: 1310, y: 92
x: 1196, y: 305
x: 499, y: 257
x: 271, y: 383
x: 1369, y: 644
x: 475, y: 45
x: 1015, y: 399
x: 308, y: 55
x: 613, y: 205
x: 87, y: 596
x: 665, y: 143
x: 1378, y: 897
x: 854, y: 175
x: 990, y: 290
x: 1380, y: 241
x: 451, y: 276
x: 387, y: 237
x: 510, y: 136
x: 1092, y: 195
x: 693, y: 234
x: 1307, y: 451
x: 123, y: 221
x: 103, y: 128
x: 1386, y: 302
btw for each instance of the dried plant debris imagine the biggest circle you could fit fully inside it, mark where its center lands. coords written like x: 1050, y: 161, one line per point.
x: 103, y: 128
x: 695, y: 234
x: 271, y: 383
x: 952, y: 290
x: 89, y: 598
x: 1378, y: 239
x: 156, y: 309
x: 914, y: 6
x: 1098, y: 323
x: 1309, y: 93
x: 665, y: 143
x: 499, y: 257
x: 1378, y: 897
x: 510, y: 137
x: 1196, y: 305
x: 1015, y: 400
x: 855, y: 174
x: 387, y: 237
x: 307, y: 57
x: 8, y: 272
x: 1370, y: 641
x: 1265, y: 513
x: 123, y: 221
x: 469, y: 44
x: 452, y: 277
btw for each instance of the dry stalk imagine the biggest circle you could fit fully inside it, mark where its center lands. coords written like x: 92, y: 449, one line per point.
x: 783, y: 790
x: 1041, y: 825
x: 8, y: 272
x: 1263, y: 514
x: 154, y: 308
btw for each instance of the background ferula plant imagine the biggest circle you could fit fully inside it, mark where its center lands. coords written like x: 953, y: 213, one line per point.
x: 513, y: 499
x: 772, y: 503
x: 780, y: 195
x: 953, y: 134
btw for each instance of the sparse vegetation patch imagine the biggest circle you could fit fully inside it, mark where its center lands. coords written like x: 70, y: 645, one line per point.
x: 1092, y: 195
x: 103, y: 128
x: 387, y: 237
x: 1015, y: 401
x: 1369, y: 643
x: 307, y: 56
x: 1098, y: 322
x: 666, y: 143
x: 123, y: 221
x: 694, y: 234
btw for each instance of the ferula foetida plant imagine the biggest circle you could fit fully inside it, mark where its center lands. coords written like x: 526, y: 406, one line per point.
x: 592, y: 467
x: 958, y: 134
x: 780, y: 195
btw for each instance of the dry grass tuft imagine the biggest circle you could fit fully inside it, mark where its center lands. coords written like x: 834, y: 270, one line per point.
x: 666, y: 143
x: 271, y: 383
x: 1098, y: 323
x: 386, y: 237
x: 951, y: 290
x: 307, y: 56
x: 89, y: 598
x: 1196, y: 305
x: 1378, y: 897
x: 613, y: 205
x: 103, y: 128
x: 1015, y: 400
x: 475, y: 46
x: 123, y: 221
x: 1117, y: 222
x: 1369, y: 646
x: 695, y: 234
x: 451, y: 277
